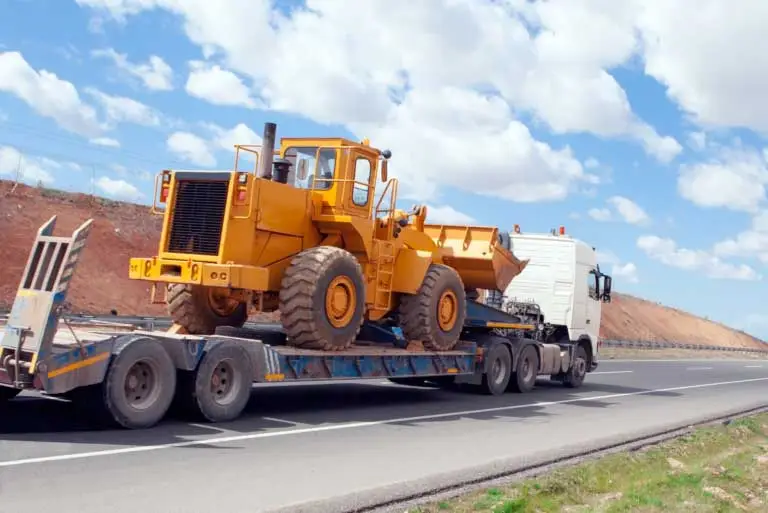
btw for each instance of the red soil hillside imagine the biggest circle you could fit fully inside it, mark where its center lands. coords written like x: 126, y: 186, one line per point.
x: 122, y: 230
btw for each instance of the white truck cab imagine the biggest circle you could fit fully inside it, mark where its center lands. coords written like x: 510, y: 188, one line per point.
x: 562, y: 283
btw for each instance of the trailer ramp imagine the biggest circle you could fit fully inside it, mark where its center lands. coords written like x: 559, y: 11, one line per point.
x: 40, y: 299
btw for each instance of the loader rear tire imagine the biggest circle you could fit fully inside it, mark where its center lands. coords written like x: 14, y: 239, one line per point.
x: 435, y: 314
x: 322, y: 299
x: 200, y: 310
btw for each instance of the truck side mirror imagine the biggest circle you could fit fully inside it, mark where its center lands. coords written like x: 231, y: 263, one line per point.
x: 384, y: 172
x: 606, y: 296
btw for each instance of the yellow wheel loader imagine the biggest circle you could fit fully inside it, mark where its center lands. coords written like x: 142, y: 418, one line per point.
x: 304, y: 232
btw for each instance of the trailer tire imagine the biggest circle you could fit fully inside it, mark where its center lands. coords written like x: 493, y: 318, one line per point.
x: 145, y: 366
x: 195, y: 308
x: 309, y: 312
x: 8, y: 393
x: 574, y: 378
x: 420, y: 314
x: 526, y: 370
x: 220, y: 388
x: 498, y: 370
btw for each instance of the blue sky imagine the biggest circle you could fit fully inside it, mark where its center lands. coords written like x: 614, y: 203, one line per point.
x: 638, y: 127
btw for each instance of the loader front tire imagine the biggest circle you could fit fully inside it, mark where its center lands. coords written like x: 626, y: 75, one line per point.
x: 435, y: 314
x: 322, y: 299
x: 200, y: 310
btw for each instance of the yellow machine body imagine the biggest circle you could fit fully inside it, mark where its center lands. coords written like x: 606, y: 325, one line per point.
x: 235, y: 234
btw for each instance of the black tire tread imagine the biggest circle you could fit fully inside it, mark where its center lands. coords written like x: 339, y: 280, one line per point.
x: 189, y: 308
x: 297, y: 291
x: 417, y: 311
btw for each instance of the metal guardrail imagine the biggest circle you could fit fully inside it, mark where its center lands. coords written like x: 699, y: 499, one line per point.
x: 154, y: 323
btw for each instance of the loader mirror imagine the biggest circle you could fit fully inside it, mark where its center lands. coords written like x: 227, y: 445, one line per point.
x: 384, y: 170
x: 301, y: 171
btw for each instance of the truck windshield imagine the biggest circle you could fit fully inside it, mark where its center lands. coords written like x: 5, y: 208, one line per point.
x: 304, y: 167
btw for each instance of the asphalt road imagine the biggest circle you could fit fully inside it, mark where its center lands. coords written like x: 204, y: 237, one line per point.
x: 328, y: 447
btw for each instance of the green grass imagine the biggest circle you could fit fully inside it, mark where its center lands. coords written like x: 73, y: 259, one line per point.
x: 715, y: 469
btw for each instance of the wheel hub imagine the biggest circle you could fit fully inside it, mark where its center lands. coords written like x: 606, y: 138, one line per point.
x: 221, y: 302
x: 340, y: 299
x: 447, y: 310
x: 140, y: 384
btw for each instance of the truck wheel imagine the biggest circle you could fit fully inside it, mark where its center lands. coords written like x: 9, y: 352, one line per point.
x: 7, y: 393
x: 498, y: 370
x: 322, y: 299
x: 435, y: 314
x: 140, y: 384
x: 526, y: 371
x: 578, y: 371
x: 200, y: 310
x: 221, y: 385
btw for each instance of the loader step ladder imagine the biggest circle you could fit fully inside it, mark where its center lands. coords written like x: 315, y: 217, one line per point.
x: 385, y: 270
x: 32, y: 323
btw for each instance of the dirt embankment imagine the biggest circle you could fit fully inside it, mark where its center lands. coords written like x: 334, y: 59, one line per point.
x: 123, y: 230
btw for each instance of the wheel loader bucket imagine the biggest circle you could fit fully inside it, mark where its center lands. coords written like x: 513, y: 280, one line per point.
x: 477, y: 255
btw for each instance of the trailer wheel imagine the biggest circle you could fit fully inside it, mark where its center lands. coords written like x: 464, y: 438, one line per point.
x: 140, y: 384
x: 498, y: 371
x: 435, y: 314
x: 221, y: 386
x: 322, y: 299
x: 8, y: 393
x: 200, y: 310
x: 578, y: 371
x: 526, y: 371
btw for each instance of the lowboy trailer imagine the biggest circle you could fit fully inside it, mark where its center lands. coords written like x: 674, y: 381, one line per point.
x: 135, y: 377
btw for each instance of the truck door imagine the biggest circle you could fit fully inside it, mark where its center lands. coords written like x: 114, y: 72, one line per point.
x: 592, y: 310
x: 358, y: 189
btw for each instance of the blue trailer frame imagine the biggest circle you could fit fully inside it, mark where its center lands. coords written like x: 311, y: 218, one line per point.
x: 212, y: 374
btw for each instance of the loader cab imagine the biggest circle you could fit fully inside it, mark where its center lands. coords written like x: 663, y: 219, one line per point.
x: 342, y: 171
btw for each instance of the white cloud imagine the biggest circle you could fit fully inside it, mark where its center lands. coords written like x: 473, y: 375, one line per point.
x: 445, y: 214
x: 225, y: 139
x: 118, y: 189
x: 630, y: 211
x: 626, y: 272
x: 697, y: 140
x: 710, y: 56
x: 191, y: 148
x: 623, y: 271
x: 600, y: 214
x: 106, y: 141
x: 627, y: 210
x: 667, y: 252
x: 29, y: 169
x: 120, y: 109
x: 749, y: 243
x: 48, y: 95
x: 155, y: 74
x: 218, y: 86
x: 735, y: 179
x: 414, y: 77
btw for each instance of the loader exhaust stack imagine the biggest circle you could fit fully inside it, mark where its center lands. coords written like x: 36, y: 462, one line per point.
x: 267, y: 150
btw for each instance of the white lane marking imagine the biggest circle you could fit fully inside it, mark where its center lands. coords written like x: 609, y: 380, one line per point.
x: 699, y: 368
x: 353, y: 425
x: 753, y: 366
x: 281, y: 421
x: 612, y: 372
x: 676, y: 360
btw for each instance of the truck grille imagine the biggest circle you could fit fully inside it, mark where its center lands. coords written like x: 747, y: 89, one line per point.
x: 198, y: 216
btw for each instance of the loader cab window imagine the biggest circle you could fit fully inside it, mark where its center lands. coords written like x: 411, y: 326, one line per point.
x: 306, y: 162
x: 361, y: 190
